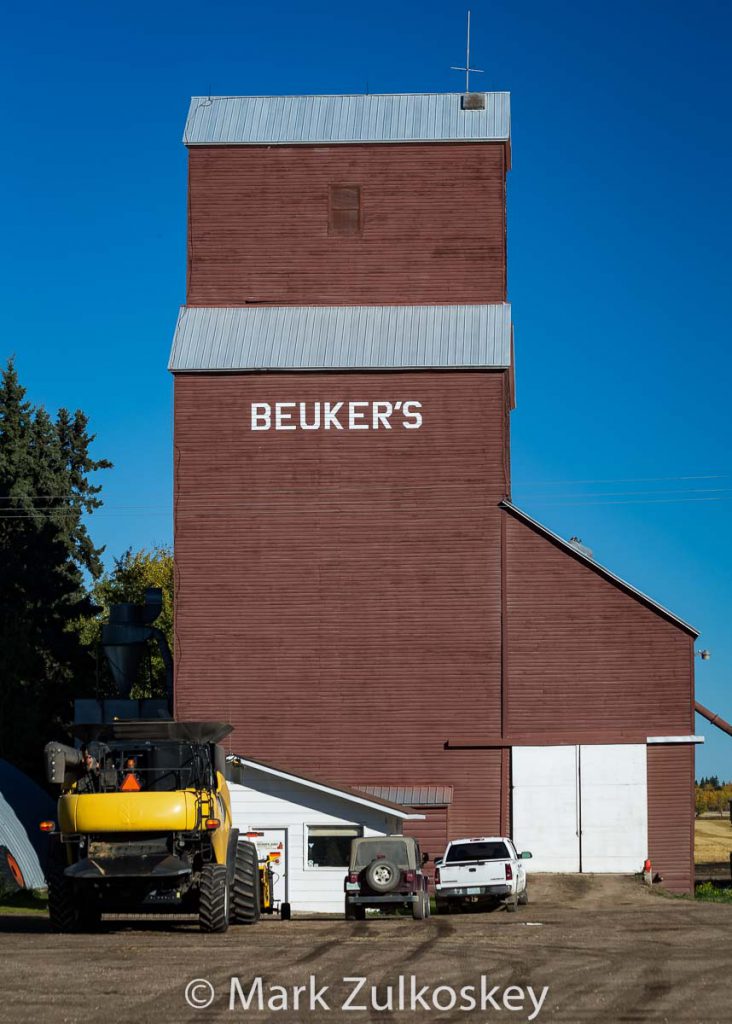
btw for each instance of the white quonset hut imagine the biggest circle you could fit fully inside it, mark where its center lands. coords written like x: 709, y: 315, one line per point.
x: 306, y: 826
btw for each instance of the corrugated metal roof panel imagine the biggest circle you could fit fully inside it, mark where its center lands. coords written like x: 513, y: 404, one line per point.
x: 408, y: 117
x: 22, y: 805
x: 412, y: 796
x: 341, y: 337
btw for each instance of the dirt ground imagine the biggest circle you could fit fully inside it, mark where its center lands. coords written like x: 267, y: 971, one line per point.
x: 608, y: 949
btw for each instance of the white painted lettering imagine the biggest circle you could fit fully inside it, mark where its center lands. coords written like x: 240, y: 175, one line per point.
x: 331, y: 416
x: 261, y: 416
x: 382, y: 417
x: 356, y: 419
x: 282, y: 417
x: 304, y: 425
x: 415, y: 416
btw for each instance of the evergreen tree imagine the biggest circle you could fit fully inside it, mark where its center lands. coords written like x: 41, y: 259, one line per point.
x: 45, y: 550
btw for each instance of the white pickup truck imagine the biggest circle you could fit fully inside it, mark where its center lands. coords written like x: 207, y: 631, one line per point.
x: 487, y: 869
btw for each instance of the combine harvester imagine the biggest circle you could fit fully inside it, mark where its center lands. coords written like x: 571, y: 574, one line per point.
x: 144, y: 816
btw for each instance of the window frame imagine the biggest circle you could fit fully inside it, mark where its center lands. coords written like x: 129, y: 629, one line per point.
x: 307, y: 866
x: 335, y: 206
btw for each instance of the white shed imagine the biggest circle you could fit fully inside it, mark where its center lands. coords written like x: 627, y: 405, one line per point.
x: 306, y: 827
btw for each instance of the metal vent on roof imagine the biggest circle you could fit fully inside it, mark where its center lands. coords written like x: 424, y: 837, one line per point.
x: 473, y: 101
x: 577, y: 544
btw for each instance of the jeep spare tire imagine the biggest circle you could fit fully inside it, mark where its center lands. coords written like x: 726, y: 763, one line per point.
x: 382, y: 875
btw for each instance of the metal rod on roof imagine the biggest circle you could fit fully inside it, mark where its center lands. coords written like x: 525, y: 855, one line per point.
x: 467, y: 69
x: 467, y: 57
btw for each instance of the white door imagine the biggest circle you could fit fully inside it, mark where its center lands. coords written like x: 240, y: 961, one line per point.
x: 581, y: 808
x: 614, y: 807
x: 546, y: 806
x: 271, y: 845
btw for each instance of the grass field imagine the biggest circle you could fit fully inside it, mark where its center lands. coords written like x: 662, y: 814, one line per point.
x: 712, y: 840
x: 23, y: 903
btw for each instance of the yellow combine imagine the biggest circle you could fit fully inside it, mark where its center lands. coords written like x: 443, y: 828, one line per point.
x: 144, y: 825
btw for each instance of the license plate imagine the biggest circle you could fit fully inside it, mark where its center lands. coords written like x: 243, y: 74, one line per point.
x: 352, y: 886
x: 473, y: 890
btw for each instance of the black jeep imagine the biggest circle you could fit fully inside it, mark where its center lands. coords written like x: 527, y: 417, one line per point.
x: 385, y: 872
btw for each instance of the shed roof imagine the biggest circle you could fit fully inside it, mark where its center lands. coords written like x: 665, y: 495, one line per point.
x: 413, y: 796
x: 22, y: 805
x: 345, y: 793
x: 396, y: 117
x: 341, y: 337
x: 600, y: 569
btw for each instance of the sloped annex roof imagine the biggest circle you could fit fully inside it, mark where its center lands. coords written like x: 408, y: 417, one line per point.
x: 600, y: 569
x: 396, y: 117
x: 345, y: 793
x: 413, y: 796
x: 241, y: 338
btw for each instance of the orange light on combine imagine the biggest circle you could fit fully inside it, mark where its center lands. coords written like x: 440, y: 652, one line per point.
x: 212, y: 823
x: 47, y: 826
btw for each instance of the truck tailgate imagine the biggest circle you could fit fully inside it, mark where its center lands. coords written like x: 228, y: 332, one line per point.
x: 474, y: 872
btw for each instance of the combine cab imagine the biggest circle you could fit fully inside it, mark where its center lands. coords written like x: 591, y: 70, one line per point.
x: 144, y: 816
x: 144, y: 825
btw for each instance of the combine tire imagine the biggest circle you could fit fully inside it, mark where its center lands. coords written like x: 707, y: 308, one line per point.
x: 63, y: 914
x: 213, y: 904
x: 245, y: 901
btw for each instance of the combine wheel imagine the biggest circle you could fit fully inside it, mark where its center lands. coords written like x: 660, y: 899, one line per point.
x: 246, y: 906
x: 213, y: 905
x: 63, y: 913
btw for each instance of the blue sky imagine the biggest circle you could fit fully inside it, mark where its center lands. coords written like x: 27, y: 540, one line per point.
x: 619, y: 255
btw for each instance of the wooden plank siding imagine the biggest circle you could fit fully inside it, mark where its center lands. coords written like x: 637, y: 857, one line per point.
x: 433, y: 224
x: 431, y: 834
x: 586, y: 661
x: 332, y: 587
x: 671, y: 814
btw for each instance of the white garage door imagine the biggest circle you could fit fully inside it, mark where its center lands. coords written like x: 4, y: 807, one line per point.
x: 614, y: 807
x: 581, y: 808
x: 545, y: 806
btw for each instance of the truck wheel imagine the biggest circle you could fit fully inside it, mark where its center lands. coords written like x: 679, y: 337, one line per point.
x: 63, y: 915
x: 382, y: 876
x: 355, y: 912
x: 213, y: 898
x: 285, y: 912
x: 245, y: 897
x: 524, y: 897
x: 419, y: 911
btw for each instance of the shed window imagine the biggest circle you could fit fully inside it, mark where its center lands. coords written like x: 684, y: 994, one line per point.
x: 329, y: 846
x: 344, y: 210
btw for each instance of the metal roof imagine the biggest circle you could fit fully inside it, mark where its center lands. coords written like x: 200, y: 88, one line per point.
x: 22, y: 805
x: 355, y: 796
x: 341, y: 337
x: 627, y: 587
x: 399, y: 117
x: 412, y: 796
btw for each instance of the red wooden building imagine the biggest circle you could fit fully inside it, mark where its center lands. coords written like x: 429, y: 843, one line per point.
x: 356, y: 592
